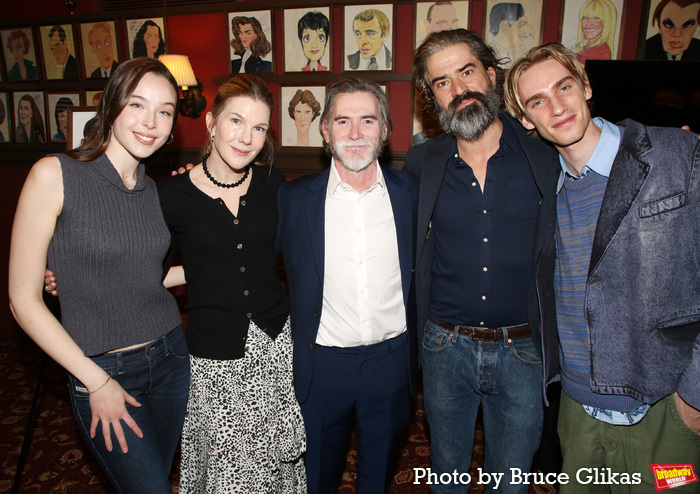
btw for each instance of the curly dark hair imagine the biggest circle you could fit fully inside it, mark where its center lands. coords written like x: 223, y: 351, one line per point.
x: 139, y: 48
x: 438, y: 41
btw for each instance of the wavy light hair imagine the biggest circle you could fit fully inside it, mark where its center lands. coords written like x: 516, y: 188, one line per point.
x: 604, y: 10
x: 548, y: 51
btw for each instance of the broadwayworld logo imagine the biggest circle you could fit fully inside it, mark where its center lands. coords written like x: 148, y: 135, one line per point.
x: 669, y: 476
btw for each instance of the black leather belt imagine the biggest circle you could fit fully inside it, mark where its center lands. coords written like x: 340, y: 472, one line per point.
x: 488, y: 334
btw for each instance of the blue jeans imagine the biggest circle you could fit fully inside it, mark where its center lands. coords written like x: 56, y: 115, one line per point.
x: 157, y: 375
x: 505, y: 377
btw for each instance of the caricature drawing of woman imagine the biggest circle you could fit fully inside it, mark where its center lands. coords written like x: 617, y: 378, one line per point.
x: 596, y: 30
x: 249, y: 42
x: 30, y: 127
x: 313, y: 35
x: 18, y: 43
x: 148, y: 41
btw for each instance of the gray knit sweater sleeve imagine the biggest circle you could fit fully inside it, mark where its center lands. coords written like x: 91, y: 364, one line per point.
x: 107, y: 252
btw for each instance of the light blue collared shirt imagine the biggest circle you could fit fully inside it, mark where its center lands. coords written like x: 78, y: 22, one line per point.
x: 603, y: 155
x: 601, y: 162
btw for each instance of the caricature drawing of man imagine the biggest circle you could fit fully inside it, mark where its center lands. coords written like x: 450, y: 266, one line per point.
x: 510, y: 29
x: 59, y: 49
x: 677, y: 21
x: 371, y: 28
x: 100, y: 41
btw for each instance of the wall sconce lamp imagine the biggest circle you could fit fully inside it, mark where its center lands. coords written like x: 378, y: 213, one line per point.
x: 193, y: 101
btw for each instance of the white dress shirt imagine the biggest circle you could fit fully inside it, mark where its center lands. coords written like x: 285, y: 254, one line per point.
x: 362, y: 292
x: 246, y: 55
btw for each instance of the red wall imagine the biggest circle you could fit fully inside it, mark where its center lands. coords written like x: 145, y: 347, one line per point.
x: 204, y: 38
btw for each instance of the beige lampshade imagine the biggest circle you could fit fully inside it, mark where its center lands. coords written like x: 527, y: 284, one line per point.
x: 180, y: 68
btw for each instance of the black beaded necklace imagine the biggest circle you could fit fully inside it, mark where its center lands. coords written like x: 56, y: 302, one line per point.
x: 219, y: 184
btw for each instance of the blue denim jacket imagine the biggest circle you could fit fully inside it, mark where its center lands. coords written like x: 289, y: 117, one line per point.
x: 642, y: 301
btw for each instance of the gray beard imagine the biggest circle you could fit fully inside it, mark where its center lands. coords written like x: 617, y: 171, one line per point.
x: 470, y: 122
x: 353, y: 163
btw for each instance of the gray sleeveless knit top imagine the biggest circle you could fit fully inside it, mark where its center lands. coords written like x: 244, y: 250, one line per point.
x: 107, y: 252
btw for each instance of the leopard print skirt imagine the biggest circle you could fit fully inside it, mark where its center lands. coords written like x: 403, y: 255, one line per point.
x: 243, y: 430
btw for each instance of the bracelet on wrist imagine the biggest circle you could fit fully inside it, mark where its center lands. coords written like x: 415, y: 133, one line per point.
x: 103, y: 385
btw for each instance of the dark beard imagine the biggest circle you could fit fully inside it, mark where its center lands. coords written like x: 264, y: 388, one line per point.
x: 470, y: 122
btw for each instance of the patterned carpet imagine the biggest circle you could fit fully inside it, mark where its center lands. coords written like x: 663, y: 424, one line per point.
x: 38, y: 432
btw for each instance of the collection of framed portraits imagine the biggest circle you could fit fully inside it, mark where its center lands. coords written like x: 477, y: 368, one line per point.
x: 63, y: 52
x: 78, y: 51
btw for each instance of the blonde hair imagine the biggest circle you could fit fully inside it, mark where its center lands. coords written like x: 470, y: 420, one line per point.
x: 605, y: 10
x: 548, y: 51
x: 99, y: 25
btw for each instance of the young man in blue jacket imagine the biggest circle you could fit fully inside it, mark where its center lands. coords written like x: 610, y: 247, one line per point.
x: 618, y: 281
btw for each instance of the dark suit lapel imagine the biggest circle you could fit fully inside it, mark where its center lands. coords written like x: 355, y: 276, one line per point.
x: 627, y: 177
x: 431, y: 177
x: 545, y: 170
x: 315, y: 208
x: 403, y: 219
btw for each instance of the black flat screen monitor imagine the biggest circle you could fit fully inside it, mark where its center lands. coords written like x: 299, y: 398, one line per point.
x: 660, y: 93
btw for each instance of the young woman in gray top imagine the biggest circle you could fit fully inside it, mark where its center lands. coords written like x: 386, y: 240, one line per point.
x: 95, y: 216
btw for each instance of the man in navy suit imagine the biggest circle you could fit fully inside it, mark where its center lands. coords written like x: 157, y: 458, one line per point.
x: 371, y: 28
x: 347, y: 237
x: 100, y: 41
x: 59, y: 50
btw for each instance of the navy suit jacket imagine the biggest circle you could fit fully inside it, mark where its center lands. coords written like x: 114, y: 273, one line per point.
x: 427, y: 163
x: 300, y: 239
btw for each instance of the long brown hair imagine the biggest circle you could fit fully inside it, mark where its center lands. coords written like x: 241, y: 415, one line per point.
x: 259, y: 47
x: 37, y: 120
x: 245, y: 86
x: 115, y: 97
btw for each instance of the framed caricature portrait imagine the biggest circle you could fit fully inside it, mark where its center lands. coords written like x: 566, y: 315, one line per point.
x: 300, y: 109
x: 368, y: 37
x: 591, y: 28
x: 5, y: 120
x: 306, y: 40
x: 99, y: 43
x: 669, y: 31
x: 57, y: 121
x: 146, y: 37
x: 20, y: 54
x: 512, y: 28
x: 92, y: 98
x: 30, y: 116
x: 250, y: 41
x: 432, y: 17
x: 58, y: 47
x: 78, y: 116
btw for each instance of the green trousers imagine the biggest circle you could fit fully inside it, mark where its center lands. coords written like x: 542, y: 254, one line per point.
x: 603, y: 458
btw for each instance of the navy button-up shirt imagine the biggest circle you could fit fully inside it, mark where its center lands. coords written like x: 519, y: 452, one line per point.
x: 484, y: 241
